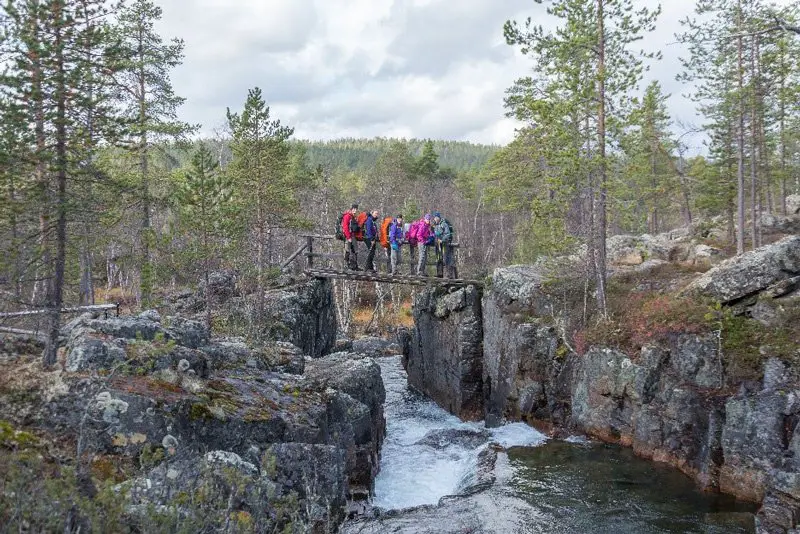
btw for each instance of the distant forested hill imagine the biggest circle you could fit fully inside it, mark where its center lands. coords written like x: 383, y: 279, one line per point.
x: 360, y: 154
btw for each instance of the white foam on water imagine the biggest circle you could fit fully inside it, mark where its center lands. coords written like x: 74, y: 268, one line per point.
x: 517, y: 435
x: 413, y: 474
x: 581, y: 440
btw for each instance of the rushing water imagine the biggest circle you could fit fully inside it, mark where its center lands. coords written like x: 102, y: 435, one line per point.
x: 541, y: 485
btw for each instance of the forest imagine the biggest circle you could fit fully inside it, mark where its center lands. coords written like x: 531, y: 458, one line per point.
x: 106, y: 195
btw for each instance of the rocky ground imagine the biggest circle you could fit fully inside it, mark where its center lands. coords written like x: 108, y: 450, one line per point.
x: 697, y: 365
x: 196, y: 431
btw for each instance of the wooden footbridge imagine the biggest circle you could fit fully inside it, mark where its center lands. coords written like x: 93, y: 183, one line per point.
x: 321, y: 265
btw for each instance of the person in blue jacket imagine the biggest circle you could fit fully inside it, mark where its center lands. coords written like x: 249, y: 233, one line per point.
x: 371, y: 239
x: 396, y: 238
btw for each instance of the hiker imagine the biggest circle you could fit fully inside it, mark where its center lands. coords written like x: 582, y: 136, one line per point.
x: 396, y: 238
x: 425, y: 238
x: 371, y: 239
x: 349, y: 231
x: 443, y: 232
x: 413, y: 242
x: 383, y: 237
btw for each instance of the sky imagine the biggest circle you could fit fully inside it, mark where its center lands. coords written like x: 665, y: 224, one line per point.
x: 365, y: 68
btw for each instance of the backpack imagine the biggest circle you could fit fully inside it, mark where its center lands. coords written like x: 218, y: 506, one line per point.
x: 383, y: 232
x: 362, y: 221
x: 339, y: 231
x: 452, y: 230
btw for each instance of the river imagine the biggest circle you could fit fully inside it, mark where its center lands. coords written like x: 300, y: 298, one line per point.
x: 442, y: 475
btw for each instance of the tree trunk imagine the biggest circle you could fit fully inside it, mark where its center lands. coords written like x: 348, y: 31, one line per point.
x: 51, y: 347
x: 15, y: 238
x: 601, y: 141
x: 754, y: 196
x: 740, y: 140
x: 42, y: 287
x: 145, y: 269
x: 782, y: 134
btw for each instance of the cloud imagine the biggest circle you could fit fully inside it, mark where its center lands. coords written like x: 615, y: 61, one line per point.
x: 363, y: 68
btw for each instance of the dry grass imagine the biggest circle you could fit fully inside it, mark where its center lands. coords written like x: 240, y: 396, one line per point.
x: 392, y: 318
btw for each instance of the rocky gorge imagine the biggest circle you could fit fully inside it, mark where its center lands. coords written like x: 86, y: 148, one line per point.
x: 166, y: 427
x: 701, y: 375
x: 198, y: 431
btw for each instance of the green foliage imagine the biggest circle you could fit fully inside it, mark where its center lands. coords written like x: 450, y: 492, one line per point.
x: 746, y: 343
x: 13, y: 439
x: 150, y: 108
x: 643, y: 199
x: 361, y: 155
x: 39, y: 497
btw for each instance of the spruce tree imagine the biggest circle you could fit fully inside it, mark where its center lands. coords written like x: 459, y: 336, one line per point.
x: 207, y: 214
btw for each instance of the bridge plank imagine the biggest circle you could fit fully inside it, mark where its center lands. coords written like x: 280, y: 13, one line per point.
x: 365, y: 276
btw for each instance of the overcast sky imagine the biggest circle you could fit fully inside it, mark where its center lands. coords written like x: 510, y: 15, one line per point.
x: 366, y: 68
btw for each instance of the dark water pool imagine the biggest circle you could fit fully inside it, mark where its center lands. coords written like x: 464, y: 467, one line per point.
x: 603, y: 488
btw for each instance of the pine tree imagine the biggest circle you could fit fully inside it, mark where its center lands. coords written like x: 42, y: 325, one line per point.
x: 588, y: 63
x: 427, y: 165
x: 57, y: 49
x: 261, y: 172
x: 151, y: 107
x: 650, y: 174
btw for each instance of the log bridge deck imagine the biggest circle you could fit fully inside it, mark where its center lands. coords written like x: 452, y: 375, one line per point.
x: 369, y: 276
x: 307, y: 250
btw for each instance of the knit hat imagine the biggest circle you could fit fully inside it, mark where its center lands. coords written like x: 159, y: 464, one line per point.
x: 427, y: 216
x: 437, y: 215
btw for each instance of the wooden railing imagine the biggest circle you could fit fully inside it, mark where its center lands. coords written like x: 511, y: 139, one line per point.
x: 311, y: 254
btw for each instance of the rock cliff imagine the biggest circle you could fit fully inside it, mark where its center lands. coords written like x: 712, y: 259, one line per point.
x: 445, y: 353
x: 672, y: 400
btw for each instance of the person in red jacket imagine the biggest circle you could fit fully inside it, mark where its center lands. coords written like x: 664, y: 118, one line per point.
x: 349, y: 229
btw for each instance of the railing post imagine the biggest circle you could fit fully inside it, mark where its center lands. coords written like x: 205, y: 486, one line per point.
x: 309, y: 255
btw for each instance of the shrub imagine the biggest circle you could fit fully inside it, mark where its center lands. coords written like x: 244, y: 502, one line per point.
x: 647, y: 318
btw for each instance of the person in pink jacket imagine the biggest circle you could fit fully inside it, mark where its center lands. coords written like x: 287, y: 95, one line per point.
x: 421, y: 232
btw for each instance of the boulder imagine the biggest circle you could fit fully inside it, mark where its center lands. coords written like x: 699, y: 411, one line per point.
x: 317, y: 474
x: 87, y: 350
x: 342, y: 344
x: 705, y: 255
x: 297, y: 487
x: 520, y: 285
x: 304, y: 315
x: 633, y: 250
x: 448, y: 437
x: 783, y: 224
x: 745, y: 275
x: 754, y: 440
x: 375, y: 347
x: 793, y: 204
x: 520, y: 364
x: 445, y: 359
x: 221, y: 285
x: 357, y: 410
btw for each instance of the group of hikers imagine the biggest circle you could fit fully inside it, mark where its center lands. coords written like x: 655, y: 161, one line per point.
x: 391, y: 233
